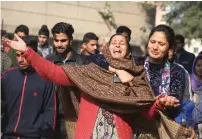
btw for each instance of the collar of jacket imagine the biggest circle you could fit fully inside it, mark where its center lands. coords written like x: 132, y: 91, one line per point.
x: 61, y: 58
x: 28, y: 71
x: 46, y: 45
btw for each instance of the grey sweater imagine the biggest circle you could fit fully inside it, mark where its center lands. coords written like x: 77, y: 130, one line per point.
x: 6, y: 61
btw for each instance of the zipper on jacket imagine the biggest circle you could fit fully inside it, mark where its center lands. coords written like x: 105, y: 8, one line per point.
x: 21, y: 101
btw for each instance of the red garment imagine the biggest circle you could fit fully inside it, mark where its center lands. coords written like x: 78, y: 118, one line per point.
x: 88, y: 110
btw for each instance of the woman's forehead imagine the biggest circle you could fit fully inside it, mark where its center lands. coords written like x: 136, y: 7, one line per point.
x: 199, y: 61
x: 118, y: 38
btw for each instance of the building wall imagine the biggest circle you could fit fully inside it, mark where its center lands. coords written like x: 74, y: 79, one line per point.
x: 195, y: 47
x: 196, y: 44
x: 83, y: 16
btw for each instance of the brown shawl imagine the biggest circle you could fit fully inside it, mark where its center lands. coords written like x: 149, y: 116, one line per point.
x: 97, y: 83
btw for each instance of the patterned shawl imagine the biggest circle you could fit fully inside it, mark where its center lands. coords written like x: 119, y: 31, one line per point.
x: 164, y: 87
x: 97, y: 83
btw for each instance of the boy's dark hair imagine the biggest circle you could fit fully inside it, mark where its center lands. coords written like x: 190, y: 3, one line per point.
x: 63, y: 27
x: 89, y: 36
x: 122, y: 29
x: 22, y: 28
x: 179, y: 37
x: 44, y: 31
x: 31, y: 42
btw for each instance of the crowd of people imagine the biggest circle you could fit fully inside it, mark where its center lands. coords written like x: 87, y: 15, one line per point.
x: 102, y: 91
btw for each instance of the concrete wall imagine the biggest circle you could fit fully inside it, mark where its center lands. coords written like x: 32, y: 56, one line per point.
x: 83, y: 16
x: 195, y: 47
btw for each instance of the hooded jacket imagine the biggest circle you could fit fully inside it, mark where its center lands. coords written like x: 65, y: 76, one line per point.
x: 196, y: 84
x: 186, y: 60
x: 30, y: 104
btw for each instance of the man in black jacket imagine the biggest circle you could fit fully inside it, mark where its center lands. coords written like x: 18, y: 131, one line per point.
x: 68, y: 98
x: 183, y: 57
x: 29, y: 101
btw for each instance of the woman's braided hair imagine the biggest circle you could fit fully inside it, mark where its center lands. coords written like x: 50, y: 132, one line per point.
x: 63, y: 27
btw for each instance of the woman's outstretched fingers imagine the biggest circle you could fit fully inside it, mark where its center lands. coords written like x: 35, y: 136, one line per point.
x: 6, y: 41
x: 18, y: 38
x: 18, y: 45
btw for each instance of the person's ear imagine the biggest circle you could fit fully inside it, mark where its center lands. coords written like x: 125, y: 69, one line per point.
x: 70, y: 43
x: 170, y: 51
x: 84, y: 45
x: 129, y: 40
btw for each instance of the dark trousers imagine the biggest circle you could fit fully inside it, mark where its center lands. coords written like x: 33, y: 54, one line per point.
x: 60, y: 131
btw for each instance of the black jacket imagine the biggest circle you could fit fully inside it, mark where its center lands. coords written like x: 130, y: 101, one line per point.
x: 68, y: 98
x: 186, y: 59
x: 74, y: 59
x: 30, y: 104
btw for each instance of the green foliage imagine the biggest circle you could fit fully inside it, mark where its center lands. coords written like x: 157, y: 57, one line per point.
x: 151, y: 12
x: 108, y: 16
x: 185, y: 18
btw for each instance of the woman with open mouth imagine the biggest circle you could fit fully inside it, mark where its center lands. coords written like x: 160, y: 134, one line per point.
x: 111, y: 106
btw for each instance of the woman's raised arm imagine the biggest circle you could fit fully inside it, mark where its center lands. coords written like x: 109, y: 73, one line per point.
x: 45, y: 68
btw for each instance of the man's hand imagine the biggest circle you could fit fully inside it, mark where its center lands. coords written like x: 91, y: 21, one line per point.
x: 18, y: 45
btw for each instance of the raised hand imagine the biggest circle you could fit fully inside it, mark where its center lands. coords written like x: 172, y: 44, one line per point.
x: 18, y: 45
